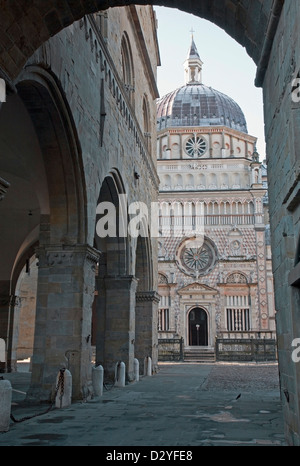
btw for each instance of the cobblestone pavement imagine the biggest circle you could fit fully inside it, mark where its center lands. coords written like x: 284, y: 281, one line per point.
x: 187, y: 405
x: 245, y: 377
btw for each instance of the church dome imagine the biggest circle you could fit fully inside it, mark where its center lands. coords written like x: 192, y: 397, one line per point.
x: 199, y: 105
x: 196, y: 104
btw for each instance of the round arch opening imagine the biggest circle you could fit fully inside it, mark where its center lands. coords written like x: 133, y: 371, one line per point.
x: 198, y: 327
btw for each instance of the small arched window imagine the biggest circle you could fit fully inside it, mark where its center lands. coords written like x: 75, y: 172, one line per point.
x: 127, y: 68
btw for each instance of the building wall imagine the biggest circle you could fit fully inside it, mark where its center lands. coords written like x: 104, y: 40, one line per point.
x: 225, y: 187
x: 91, y: 136
x: 282, y: 134
x: 275, y: 51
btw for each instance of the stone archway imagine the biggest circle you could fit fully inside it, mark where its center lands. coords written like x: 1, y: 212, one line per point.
x: 115, y: 287
x: 146, y: 308
x: 57, y: 137
x: 38, y: 22
x: 66, y: 262
x: 23, y: 305
x: 262, y: 28
x: 24, y: 311
x: 21, y: 212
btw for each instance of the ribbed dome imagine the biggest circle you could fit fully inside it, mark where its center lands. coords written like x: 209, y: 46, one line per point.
x: 198, y: 105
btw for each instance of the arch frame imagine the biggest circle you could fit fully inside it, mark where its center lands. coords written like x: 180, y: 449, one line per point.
x: 208, y: 325
x: 41, y: 92
x: 256, y: 37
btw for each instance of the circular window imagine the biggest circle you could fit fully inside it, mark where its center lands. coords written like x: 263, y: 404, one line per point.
x: 196, y: 146
x: 197, y: 259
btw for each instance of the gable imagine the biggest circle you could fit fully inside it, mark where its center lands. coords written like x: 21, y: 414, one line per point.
x: 195, y: 288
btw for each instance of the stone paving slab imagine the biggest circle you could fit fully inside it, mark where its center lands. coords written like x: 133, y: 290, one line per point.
x: 184, y: 405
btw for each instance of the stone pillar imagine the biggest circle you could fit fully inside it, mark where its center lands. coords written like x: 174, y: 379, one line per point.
x: 146, y: 337
x: 181, y: 146
x: 65, y: 292
x: 97, y: 377
x: 136, y: 365
x: 5, y: 404
x: 2, y: 350
x: 5, y: 319
x: 115, y: 324
x: 64, y: 385
x: 12, y: 338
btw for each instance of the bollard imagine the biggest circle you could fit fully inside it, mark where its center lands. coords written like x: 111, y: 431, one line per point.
x: 136, y: 368
x: 2, y: 350
x: 64, y: 389
x: 97, y: 379
x: 148, y: 366
x: 5, y: 404
x: 120, y: 374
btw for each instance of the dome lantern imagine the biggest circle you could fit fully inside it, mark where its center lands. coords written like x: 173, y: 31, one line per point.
x: 193, y: 66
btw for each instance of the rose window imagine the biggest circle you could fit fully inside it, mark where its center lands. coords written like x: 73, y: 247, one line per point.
x: 197, y: 259
x: 196, y: 147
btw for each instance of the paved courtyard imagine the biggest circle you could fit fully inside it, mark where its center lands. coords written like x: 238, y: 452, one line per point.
x: 184, y: 405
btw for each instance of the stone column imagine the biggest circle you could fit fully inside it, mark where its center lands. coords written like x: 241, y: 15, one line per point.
x: 4, y: 318
x: 13, y: 332
x: 65, y: 292
x: 116, y: 324
x: 146, y: 321
x: 181, y: 146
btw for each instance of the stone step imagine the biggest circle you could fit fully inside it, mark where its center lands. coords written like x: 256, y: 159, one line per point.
x: 199, y: 355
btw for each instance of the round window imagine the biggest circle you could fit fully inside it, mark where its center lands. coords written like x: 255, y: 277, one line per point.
x: 196, y: 146
x: 197, y: 259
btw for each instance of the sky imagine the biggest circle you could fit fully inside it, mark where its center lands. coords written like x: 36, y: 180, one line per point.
x: 227, y: 66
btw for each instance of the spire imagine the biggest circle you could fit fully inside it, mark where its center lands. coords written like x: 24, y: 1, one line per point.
x: 193, y: 52
x: 193, y: 65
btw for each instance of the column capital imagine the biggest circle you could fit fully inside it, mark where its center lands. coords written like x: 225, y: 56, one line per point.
x: 66, y: 255
x: 120, y: 282
x: 152, y: 296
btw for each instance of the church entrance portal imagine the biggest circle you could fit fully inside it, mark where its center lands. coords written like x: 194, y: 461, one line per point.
x: 198, y: 327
